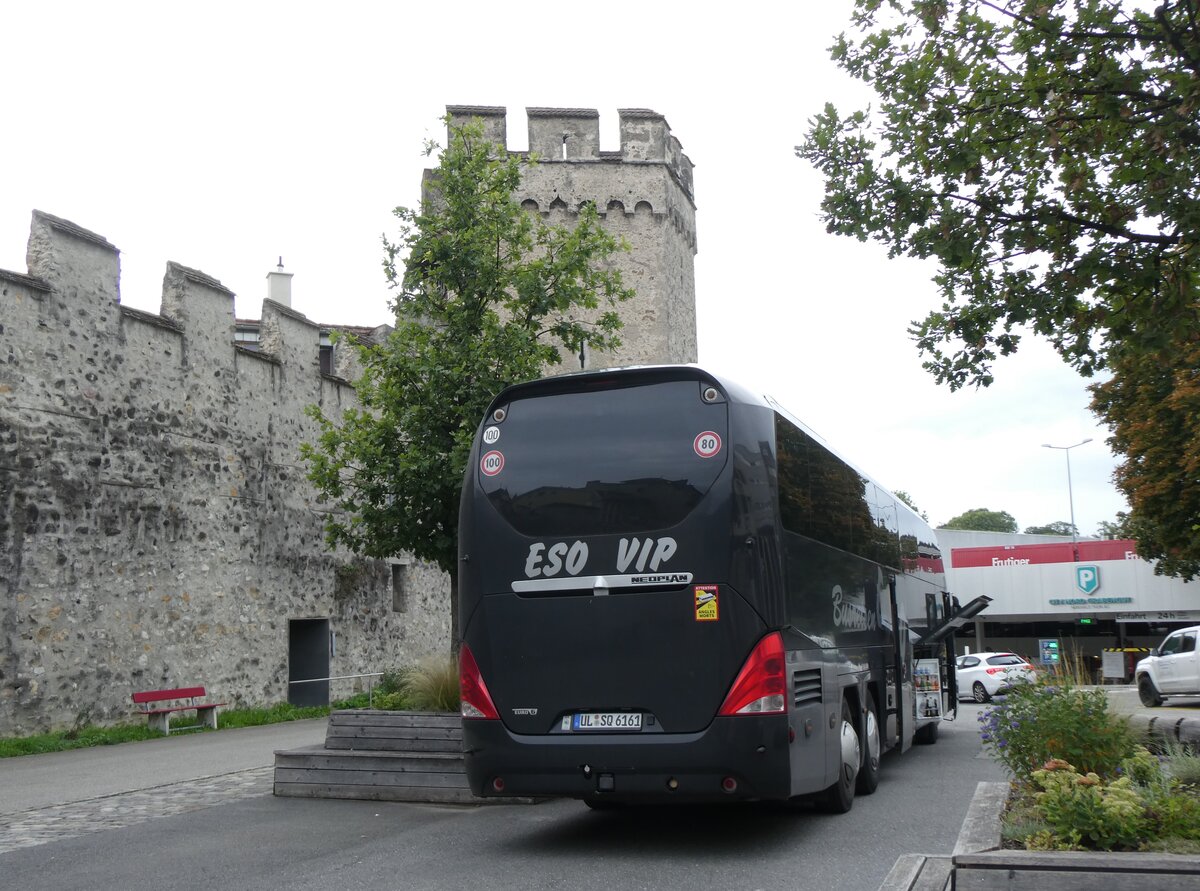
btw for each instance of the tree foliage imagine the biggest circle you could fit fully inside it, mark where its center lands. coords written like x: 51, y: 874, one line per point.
x: 1058, y: 527
x: 1046, y: 154
x: 983, y: 520
x: 485, y: 295
x: 1156, y: 399
x: 1119, y: 528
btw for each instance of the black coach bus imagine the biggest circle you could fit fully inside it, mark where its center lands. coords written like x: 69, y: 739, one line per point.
x: 670, y: 589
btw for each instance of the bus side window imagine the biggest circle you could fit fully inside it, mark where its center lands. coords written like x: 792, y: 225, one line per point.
x: 795, y: 498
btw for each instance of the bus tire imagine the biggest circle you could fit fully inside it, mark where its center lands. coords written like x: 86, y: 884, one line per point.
x: 839, y: 797
x: 927, y: 735
x: 868, y: 771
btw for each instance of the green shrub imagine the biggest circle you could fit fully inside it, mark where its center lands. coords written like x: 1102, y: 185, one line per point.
x: 1083, y: 809
x: 1047, y: 840
x: 1035, y: 723
x: 1021, y: 819
x: 1172, y: 807
x: 396, y: 701
x: 1182, y: 763
x: 1142, y: 767
x: 1083, y: 782
x: 390, y: 682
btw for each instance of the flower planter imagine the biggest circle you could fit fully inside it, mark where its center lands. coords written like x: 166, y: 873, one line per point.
x: 979, y: 864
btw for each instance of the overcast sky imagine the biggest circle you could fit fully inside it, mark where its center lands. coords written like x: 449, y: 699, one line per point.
x: 224, y: 135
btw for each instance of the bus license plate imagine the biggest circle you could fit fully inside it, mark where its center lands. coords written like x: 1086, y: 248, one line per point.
x: 607, y: 721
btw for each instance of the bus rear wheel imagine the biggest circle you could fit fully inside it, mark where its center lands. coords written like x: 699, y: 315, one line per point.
x: 868, y: 773
x: 839, y: 797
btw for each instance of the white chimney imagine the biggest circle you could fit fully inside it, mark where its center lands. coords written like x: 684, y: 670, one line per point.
x: 279, y: 285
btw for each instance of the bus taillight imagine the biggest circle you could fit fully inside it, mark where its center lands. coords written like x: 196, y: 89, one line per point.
x: 476, y: 701
x: 761, y: 685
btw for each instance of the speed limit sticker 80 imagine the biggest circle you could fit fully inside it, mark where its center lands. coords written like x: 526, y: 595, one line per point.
x: 491, y: 463
x: 707, y: 444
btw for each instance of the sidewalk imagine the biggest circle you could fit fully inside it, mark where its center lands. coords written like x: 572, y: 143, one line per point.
x: 42, y: 781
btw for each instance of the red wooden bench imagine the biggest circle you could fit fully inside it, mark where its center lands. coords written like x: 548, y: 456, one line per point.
x: 182, y: 699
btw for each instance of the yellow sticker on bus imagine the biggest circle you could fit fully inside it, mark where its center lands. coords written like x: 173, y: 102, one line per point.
x: 706, y: 603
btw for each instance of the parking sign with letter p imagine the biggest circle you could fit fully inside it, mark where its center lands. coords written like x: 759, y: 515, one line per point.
x: 1087, y: 578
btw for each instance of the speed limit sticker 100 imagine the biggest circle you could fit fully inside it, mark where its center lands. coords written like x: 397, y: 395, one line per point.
x: 491, y: 463
x: 707, y: 444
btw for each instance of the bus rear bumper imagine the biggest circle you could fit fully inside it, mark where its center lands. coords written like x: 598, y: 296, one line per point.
x: 734, y: 759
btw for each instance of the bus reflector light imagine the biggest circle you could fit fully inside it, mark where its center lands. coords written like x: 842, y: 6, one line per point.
x: 498, y: 784
x: 476, y: 701
x: 729, y: 784
x: 761, y: 684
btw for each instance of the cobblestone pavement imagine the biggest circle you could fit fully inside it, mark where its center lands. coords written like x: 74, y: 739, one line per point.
x: 43, y: 825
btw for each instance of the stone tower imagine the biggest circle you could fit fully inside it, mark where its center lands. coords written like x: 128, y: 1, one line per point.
x: 643, y: 193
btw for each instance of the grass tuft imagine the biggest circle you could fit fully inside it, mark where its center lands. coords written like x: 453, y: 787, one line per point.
x: 433, y: 686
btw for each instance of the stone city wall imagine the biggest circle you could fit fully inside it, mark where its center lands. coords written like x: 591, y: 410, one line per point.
x: 156, y: 525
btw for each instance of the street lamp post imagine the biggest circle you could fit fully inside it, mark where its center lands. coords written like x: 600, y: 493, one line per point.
x: 1070, y: 493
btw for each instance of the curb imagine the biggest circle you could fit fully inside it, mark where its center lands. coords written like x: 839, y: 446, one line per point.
x: 1184, y: 730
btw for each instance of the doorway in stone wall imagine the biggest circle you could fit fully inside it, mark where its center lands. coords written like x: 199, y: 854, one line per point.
x: 308, y: 658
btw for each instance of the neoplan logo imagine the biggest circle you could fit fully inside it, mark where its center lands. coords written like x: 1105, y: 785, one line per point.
x: 1087, y: 579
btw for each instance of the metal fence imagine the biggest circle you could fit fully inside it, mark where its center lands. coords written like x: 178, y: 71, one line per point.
x: 370, y: 676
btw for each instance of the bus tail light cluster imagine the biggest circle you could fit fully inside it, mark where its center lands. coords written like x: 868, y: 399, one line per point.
x: 476, y: 701
x: 761, y: 686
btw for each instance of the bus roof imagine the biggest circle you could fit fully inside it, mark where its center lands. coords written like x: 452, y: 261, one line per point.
x: 630, y: 375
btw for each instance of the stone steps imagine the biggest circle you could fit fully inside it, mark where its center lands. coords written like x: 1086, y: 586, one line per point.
x: 380, y: 756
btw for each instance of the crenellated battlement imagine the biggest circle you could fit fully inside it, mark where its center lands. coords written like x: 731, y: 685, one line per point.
x: 73, y: 285
x: 643, y: 192
x: 572, y: 135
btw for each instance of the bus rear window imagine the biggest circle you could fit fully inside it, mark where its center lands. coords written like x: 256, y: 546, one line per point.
x: 604, y: 461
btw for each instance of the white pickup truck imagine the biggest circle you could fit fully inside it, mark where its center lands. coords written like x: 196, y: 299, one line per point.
x: 1173, y: 668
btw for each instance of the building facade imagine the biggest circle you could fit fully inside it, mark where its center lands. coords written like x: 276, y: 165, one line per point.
x: 1090, y: 595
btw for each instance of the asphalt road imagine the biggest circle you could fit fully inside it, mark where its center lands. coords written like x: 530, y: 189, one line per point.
x: 262, y: 842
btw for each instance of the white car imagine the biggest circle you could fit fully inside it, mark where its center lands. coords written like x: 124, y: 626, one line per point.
x: 980, y: 676
x: 1172, y: 667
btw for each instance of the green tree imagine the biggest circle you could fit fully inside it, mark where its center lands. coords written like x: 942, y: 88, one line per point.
x: 983, y: 520
x: 1058, y: 527
x: 1119, y: 528
x: 1046, y: 155
x: 487, y: 294
x: 901, y: 495
x: 1154, y: 399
